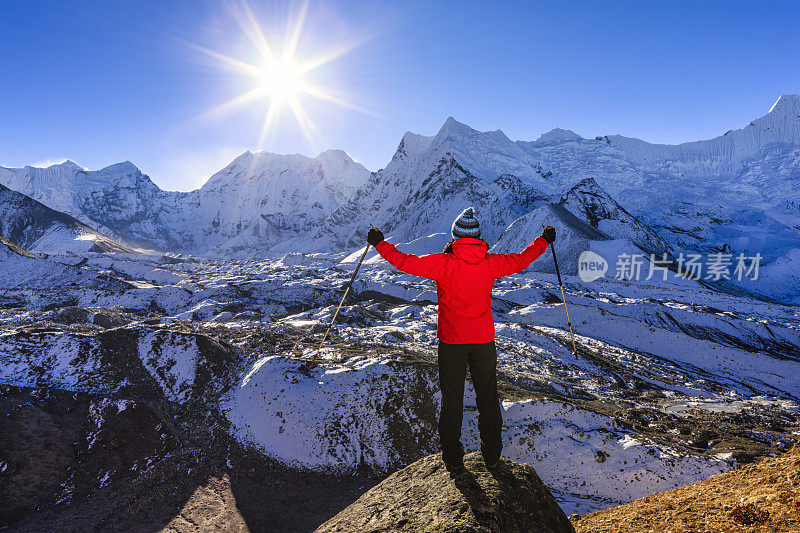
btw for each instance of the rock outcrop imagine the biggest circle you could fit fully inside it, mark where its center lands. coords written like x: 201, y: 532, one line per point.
x: 425, y: 497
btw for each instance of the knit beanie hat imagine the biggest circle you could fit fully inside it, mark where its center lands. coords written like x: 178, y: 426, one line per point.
x: 466, y: 225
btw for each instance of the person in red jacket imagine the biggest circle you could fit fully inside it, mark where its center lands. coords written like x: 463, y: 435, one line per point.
x: 464, y: 274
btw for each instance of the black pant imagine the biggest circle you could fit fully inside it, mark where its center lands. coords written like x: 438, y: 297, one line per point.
x: 482, y: 361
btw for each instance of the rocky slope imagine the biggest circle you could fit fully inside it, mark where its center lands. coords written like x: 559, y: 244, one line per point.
x: 595, y: 207
x: 75, y: 461
x: 671, y: 385
x: 763, y: 496
x: 425, y: 497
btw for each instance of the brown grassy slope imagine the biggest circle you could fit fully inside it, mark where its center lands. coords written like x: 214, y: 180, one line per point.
x: 763, y: 496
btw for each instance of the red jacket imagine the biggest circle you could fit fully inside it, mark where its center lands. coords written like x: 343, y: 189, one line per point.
x: 464, y: 282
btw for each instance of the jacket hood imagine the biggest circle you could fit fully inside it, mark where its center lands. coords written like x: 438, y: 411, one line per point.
x: 470, y: 250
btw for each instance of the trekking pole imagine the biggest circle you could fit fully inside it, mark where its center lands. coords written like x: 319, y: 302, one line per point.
x: 563, y: 299
x: 313, y: 362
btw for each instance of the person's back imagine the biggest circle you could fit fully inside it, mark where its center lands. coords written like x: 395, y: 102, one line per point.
x: 465, y: 294
x: 464, y: 276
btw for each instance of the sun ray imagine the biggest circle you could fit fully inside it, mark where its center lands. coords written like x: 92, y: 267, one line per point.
x: 272, y: 114
x: 240, y: 101
x: 252, y: 30
x: 331, y: 54
x: 303, y: 119
x: 291, y: 47
x: 319, y: 92
x: 238, y: 65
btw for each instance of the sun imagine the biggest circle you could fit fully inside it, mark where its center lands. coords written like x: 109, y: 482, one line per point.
x: 279, y: 80
x: 282, y: 80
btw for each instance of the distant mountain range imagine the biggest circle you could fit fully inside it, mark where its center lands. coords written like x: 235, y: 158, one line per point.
x: 256, y: 201
x: 735, y: 193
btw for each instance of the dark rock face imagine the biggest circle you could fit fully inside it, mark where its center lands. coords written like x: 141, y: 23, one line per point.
x: 58, y: 447
x: 593, y: 205
x: 424, y: 497
x: 24, y: 221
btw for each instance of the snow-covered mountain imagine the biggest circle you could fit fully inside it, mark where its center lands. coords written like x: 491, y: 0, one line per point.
x: 261, y: 199
x: 735, y: 193
x: 418, y: 194
x: 36, y: 227
x: 257, y: 200
x: 118, y: 200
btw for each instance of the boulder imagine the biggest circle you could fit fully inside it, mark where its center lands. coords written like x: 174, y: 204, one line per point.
x: 425, y: 497
x: 71, y: 315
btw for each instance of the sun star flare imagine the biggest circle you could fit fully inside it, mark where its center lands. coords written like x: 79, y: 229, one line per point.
x: 280, y: 79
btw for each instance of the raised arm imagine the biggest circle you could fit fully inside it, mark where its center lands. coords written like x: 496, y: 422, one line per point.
x: 507, y: 264
x: 428, y: 266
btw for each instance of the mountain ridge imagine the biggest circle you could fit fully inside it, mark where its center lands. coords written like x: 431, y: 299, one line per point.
x: 741, y: 188
x: 34, y: 226
x: 788, y: 104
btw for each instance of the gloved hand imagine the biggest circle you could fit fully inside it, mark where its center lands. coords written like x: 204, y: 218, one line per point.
x: 549, y: 234
x: 374, y: 236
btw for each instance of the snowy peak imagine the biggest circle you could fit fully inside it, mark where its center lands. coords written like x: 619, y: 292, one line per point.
x: 455, y: 131
x: 485, y: 154
x: 126, y: 174
x: 412, y: 146
x: 453, y: 127
x: 558, y: 134
x: 70, y: 164
x: 66, y: 165
x: 780, y: 124
x: 338, y: 165
x: 262, y: 198
x: 788, y: 104
x: 595, y: 207
x: 335, y: 155
x: 124, y: 166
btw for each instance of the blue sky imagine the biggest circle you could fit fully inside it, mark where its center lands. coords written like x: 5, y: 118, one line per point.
x: 102, y: 82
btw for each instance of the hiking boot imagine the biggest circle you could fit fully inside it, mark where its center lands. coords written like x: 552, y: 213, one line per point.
x: 455, y: 468
x: 492, y: 463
